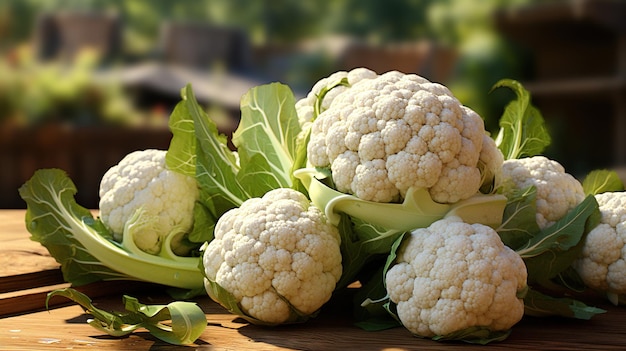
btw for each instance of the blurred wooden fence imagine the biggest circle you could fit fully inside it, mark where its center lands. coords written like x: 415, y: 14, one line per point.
x: 578, y: 76
x: 85, y: 153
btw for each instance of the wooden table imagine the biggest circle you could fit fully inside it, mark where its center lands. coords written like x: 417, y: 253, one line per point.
x: 25, y: 325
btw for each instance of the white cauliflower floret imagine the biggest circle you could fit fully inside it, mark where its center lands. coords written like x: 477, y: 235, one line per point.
x: 452, y: 276
x: 558, y: 192
x: 390, y: 132
x: 273, y: 254
x: 305, y: 107
x: 141, y: 182
x: 602, y: 265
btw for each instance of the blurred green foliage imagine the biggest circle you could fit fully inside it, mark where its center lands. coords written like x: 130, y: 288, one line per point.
x: 36, y: 93
x: 484, y: 56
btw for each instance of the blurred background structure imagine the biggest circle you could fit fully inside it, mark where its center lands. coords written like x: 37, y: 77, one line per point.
x: 84, y: 82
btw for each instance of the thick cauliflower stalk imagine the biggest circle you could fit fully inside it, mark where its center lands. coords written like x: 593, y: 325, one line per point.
x: 387, y: 133
x: 452, y: 276
x: 558, y: 192
x: 141, y: 182
x: 602, y: 265
x: 274, y: 254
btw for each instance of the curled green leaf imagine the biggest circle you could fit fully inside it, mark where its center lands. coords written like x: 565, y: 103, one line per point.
x: 177, y: 323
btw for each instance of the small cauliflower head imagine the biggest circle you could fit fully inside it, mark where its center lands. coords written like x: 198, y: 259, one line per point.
x: 165, y: 199
x: 275, y: 255
x: 558, y: 192
x: 452, y: 276
x: 602, y: 264
x: 390, y: 132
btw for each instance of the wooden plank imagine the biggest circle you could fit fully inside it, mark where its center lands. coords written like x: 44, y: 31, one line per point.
x: 607, y: 13
x: 34, y: 299
x: 582, y: 87
x: 18, y: 254
x: 30, y: 280
x: 28, y: 272
x: 25, y: 301
x: 65, y: 328
x: 67, y: 147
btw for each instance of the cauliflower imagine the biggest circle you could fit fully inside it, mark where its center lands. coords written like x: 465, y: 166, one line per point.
x: 452, y: 276
x: 387, y: 133
x: 558, y: 192
x: 276, y: 255
x: 602, y: 265
x: 141, y: 193
x: 305, y: 107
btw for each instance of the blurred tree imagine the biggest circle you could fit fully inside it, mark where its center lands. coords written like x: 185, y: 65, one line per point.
x: 12, y: 30
x: 380, y: 21
x: 484, y: 56
x: 34, y: 93
x: 271, y: 21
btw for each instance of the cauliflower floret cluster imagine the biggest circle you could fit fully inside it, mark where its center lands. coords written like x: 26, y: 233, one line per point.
x: 305, y: 107
x: 387, y: 133
x: 558, y: 192
x: 602, y: 265
x: 274, y: 254
x: 141, y: 181
x: 452, y: 276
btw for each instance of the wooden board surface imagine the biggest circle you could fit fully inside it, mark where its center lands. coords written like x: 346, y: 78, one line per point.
x: 64, y: 327
x: 17, y: 253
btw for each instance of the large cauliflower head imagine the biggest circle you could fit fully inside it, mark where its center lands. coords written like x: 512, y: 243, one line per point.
x: 141, y: 181
x: 602, y: 265
x: 558, y: 192
x: 452, y: 276
x: 387, y: 133
x: 275, y: 254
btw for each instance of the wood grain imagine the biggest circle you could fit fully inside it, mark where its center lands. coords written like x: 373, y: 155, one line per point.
x: 18, y: 254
